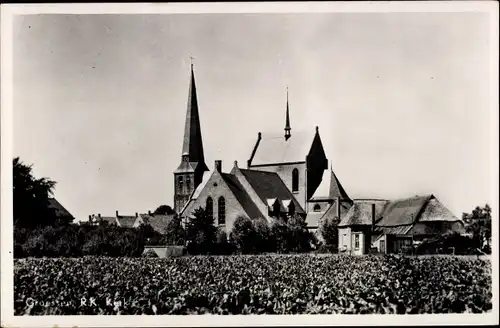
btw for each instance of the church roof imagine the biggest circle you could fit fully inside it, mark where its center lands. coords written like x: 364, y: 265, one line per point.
x: 272, y: 148
x: 192, y: 145
x: 242, y: 196
x: 269, y: 185
x: 330, y: 187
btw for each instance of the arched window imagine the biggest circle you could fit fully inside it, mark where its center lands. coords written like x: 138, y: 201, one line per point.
x: 222, y: 210
x: 295, y: 180
x: 180, y: 181
x: 317, y: 208
x: 210, y: 207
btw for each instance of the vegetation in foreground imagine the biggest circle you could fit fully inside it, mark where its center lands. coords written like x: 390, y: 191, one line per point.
x: 292, y: 284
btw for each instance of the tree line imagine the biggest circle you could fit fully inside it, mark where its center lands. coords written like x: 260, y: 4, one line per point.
x: 40, y: 231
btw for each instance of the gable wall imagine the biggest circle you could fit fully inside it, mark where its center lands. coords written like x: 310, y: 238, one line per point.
x: 233, y: 207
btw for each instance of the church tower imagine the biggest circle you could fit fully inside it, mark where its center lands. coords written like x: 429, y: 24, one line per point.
x: 190, y: 171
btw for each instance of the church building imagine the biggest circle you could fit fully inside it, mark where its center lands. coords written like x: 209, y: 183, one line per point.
x: 289, y: 173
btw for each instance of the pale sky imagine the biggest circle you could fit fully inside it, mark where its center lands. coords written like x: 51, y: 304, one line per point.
x: 401, y: 100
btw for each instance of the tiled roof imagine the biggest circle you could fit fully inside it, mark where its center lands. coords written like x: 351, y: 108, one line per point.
x: 158, y: 222
x: 273, y: 148
x: 126, y: 221
x: 313, y: 219
x: 360, y: 212
x: 109, y: 219
x: 403, y: 211
x: 242, y: 196
x: 269, y: 185
x: 435, y: 211
x: 58, y: 208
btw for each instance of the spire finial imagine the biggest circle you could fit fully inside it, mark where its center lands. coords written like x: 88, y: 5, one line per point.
x: 191, y: 61
x: 287, y: 122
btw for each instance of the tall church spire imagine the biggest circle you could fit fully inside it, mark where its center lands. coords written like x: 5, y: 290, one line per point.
x: 287, y: 123
x: 192, y: 146
x: 189, y: 174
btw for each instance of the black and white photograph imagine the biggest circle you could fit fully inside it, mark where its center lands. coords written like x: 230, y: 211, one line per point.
x: 295, y: 163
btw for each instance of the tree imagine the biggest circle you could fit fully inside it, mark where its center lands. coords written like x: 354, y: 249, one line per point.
x: 329, y: 232
x: 174, y: 232
x: 264, y: 242
x: 164, y: 210
x: 200, y: 232
x: 244, y: 235
x: 31, y: 197
x: 478, y: 223
x: 300, y: 239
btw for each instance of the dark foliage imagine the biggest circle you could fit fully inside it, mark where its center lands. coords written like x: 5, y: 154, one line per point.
x: 265, y: 284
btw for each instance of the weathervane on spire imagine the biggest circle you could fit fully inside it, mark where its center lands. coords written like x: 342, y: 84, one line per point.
x: 287, y: 122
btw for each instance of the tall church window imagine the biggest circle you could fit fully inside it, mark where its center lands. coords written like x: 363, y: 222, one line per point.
x: 295, y: 180
x: 222, y: 210
x: 210, y: 207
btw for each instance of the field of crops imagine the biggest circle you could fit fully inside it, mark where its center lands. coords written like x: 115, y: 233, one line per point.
x: 264, y: 284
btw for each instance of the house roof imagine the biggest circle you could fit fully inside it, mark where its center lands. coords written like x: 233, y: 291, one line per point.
x: 58, y: 208
x: 242, y: 196
x: 360, y: 212
x: 158, y: 222
x: 404, y: 216
x: 403, y: 211
x: 435, y: 211
x: 126, y: 221
x: 272, y: 148
x: 269, y: 185
x: 108, y: 219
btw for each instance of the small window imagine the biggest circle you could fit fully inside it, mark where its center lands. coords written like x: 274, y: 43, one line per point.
x: 210, y: 207
x: 295, y: 180
x: 222, y: 210
x: 317, y: 208
x: 356, y: 241
x: 291, y: 209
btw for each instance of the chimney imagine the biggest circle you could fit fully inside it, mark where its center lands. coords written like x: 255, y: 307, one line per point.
x: 149, y: 213
x: 90, y: 219
x: 136, y: 214
x: 116, y: 212
x: 218, y: 166
x: 373, y: 217
x: 99, y: 215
